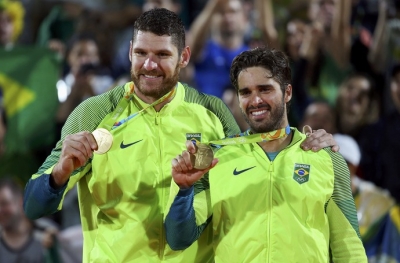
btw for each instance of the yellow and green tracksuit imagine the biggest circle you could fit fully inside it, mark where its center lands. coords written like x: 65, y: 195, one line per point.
x: 296, y: 208
x: 123, y: 194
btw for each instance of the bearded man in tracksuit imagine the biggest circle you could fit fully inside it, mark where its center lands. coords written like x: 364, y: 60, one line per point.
x: 269, y: 201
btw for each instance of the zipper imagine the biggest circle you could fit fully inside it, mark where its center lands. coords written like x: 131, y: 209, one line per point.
x: 270, y: 171
x: 160, y: 189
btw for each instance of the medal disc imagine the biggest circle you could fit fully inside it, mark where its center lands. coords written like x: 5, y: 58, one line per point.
x: 104, y: 140
x: 203, y: 156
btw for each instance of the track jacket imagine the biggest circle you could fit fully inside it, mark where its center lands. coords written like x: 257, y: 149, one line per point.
x: 123, y: 193
x: 296, y: 208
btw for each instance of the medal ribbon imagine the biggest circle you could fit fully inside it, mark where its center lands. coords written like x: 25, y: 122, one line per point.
x: 111, y: 123
x: 253, y: 138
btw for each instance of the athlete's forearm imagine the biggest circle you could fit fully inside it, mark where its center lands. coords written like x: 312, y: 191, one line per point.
x: 180, y: 223
x: 40, y: 198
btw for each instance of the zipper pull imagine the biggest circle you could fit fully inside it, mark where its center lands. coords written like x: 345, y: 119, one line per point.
x: 157, y: 119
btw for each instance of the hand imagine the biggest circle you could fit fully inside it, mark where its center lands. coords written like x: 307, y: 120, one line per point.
x: 76, y: 151
x: 183, y: 172
x: 48, y: 237
x: 318, y: 139
x: 312, y: 41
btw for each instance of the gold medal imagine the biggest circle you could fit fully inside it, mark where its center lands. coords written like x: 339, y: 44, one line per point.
x: 203, y: 157
x: 104, y: 140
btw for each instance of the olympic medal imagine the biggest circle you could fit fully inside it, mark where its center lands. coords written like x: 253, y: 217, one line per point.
x: 104, y: 140
x: 203, y: 157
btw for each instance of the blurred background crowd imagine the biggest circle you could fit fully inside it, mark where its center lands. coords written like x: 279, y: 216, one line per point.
x: 345, y: 57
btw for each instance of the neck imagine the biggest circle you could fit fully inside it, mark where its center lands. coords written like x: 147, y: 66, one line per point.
x: 232, y: 41
x: 278, y: 144
x: 17, y: 235
x: 151, y: 99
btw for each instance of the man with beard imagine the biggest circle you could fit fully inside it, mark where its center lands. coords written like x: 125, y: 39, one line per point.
x: 269, y: 200
x: 117, y: 148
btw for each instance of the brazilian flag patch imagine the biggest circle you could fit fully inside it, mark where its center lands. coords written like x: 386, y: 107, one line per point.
x: 191, y: 136
x: 301, y: 173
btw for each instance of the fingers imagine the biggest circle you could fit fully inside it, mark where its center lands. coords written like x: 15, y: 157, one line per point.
x: 319, y: 139
x: 307, y: 130
x: 79, y: 146
x: 182, y: 163
x: 190, y: 146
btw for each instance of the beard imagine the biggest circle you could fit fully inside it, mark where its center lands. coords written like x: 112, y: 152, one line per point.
x: 153, y: 90
x: 274, y: 122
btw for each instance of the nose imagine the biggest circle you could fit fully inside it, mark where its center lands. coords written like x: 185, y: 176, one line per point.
x: 256, y: 99
x: 150, y: 64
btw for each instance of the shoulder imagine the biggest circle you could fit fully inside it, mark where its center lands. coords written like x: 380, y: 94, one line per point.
x: 89, y: 114
x: 208, y: 101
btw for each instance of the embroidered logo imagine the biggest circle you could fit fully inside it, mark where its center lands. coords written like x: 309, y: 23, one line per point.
x: 301, y: 173
x: 123, y: 146
x: 191, y: 136
x: 237, y: 172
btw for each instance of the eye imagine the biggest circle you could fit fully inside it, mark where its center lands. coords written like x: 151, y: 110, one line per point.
x: 264, y: 89
x: 244, y: 92
x: 163, y: 55
x: 140, y: 53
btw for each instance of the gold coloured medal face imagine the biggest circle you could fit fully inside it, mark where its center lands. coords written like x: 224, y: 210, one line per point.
x: 203, y: 156
x: 104, y: 140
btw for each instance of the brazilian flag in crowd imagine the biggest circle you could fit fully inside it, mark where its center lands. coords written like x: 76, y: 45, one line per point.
x: 28, y: 77
x: 383, y: 242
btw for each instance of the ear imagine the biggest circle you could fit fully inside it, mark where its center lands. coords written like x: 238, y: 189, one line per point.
x: 130, y: 51
x: 185, y: 57
x: 288, y: 93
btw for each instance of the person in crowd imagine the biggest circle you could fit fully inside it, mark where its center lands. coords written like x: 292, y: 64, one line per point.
x: 379, y: 160
x: 324, y: 52
x: 216, y: 36
x: 123, y: 174
x: 11, y: 22
x: 357, y: 104
x: 18, y: 241
x: 320, y: 115
x: 86, y: 77
x: 265, y: 192
x: 372, y: 202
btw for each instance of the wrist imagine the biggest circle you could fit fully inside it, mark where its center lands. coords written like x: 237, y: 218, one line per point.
x: 57, y: 179
x: 185, y: 191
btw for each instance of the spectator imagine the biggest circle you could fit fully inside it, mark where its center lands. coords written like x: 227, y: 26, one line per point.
x: 379, y: 143
x: 87, y: 76
x: 11, y: 22
x: 357, y: 104
x: 320, y: 115
x: 216, y: 36
x: 372, y: 203
x: 17, y: 238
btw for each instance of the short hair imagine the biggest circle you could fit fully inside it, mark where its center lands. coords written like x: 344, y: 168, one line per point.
x: 161, y: 21
x: 80, y: 37
x: 13, y: 185
x: 17, y: 12
x: 271, y: 59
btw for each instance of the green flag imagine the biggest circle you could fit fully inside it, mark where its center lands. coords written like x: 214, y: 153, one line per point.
x: 28, y: 77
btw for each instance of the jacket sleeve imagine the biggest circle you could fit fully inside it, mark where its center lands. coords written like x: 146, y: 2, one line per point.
x: 40, y: 198
x: 188, y: 215
x: 345, y: 242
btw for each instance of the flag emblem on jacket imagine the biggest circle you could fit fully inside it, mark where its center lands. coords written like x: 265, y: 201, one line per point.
x: 301, y: 173
x: 191, y: 136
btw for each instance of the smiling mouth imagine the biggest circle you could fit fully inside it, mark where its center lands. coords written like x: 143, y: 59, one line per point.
x: 258, y: 113
x: 150, y: 76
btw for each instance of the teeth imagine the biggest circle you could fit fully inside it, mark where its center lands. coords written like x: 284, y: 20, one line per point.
x: 152, y: 77
x: 256, y: 113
